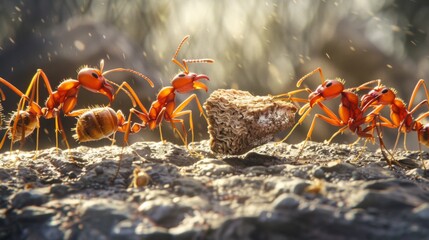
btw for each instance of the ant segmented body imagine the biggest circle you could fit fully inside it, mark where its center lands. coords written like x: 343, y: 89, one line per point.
x: 164, y: 107
x: 351, y: 116
x: 25, y: 120
x: 400, y: 116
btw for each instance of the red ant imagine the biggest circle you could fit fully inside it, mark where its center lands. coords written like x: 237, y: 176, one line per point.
x: 164, y: 107
x: 23, y: 122
x: 350, y: 115
x: 401, y: 116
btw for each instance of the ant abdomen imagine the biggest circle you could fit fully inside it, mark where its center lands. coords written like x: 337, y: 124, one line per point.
x: 25, y: 125
x: 95, y: 124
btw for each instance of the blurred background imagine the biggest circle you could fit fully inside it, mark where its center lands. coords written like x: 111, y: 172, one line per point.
x: 260, y: 46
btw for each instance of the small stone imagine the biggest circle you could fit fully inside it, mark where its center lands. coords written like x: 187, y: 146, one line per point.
x: 164, y: 214
x: 34, y: 214
x: 100, y: 216
x: 4, y: 174
x: 256, y: 170
x: 59, y: 190
x: 300, y: 187
x: 374, y: 171
x: 98, y: 170
x: 417, y: 172
x: 124, y: 229
x: 28, y: 198
x: 390, y: 194
x: 422, y: 211
x: 72, y: 175
x: 340, y: 168
x: 213, y: 167
x: 319, y: 173
x: 286, y: 201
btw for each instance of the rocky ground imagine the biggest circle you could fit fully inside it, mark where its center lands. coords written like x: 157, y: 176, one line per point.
x: 264, y: 194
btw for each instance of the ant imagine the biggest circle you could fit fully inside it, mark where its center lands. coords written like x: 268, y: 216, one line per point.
x: 351, y: 116
x: 22, y: 123
x: 92, y: 79
x: 164, y: 107
x: 401, y: 116
x: 102, y: 122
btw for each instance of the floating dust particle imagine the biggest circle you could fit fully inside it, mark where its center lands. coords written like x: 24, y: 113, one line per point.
x: 389, y: 66
x: 327, y: 55
x: 239, y: 121
x: 79, y: 45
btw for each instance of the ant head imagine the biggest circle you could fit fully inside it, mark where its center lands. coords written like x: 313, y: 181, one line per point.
x: 379, y: 95
x: 93, y: 80
x: 328, y: 90
x: 183, y: 82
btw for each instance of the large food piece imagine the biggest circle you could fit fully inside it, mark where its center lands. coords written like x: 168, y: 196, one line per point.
x: 239, y: 121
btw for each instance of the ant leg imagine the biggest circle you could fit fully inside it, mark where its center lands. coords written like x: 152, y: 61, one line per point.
x: 341, y: 130
x: 134, y: 98
x: 183, y: 137
x: 178, y: 111
x: 299, y: 122
x: 289, y: 95
x: 333, y: 121
x: 319, y: 69
x: 421, y: 157
x: 420, y: 83
x: 361, y: 151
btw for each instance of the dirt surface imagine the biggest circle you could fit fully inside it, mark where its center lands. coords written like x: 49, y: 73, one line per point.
x: 329, y: 193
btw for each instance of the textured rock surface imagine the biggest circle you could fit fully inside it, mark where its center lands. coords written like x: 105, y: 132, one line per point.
x: 239, y: 121
x: 264, y: 194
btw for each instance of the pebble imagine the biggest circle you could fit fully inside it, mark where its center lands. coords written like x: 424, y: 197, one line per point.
x: 286, y: 201
x: 99, y: 170
x: 27, y: 198
x: 319, y: 173
x: 165, y: 214
x: 255, y: 170
x: 59, y: 190
x: 340, y: 168
x: 101, y: 215
x: 213, y: 167
x: 422, y: 211
x: 4, y: 175
x: 34, y: 214
x: 389, y: 194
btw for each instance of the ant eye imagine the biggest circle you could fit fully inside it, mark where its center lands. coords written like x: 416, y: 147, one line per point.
x: 94, y: 75
x: 182, y: 75
x: 329, y: 84
x: 385, y: 90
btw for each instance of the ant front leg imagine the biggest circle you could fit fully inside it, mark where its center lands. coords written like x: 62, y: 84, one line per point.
x: 178, y: 112
x: 331, y: 118
x: 420, y: 83
x: 319, y: 69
